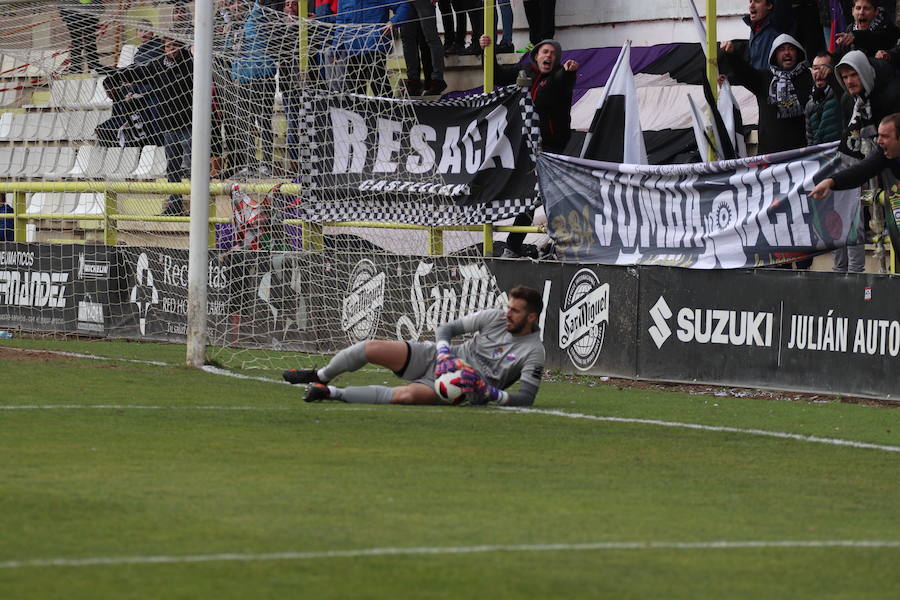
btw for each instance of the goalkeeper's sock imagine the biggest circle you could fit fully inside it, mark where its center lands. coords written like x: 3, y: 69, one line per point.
x: 348, y: 359
x: 364, y: 394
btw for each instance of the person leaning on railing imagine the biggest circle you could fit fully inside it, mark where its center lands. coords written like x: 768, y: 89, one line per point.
x: 550, y: 83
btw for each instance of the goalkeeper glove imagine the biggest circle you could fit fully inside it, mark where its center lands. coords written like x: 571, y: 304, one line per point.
x: 489, y: 393
x: 446, y: 360
x: 468, y: 379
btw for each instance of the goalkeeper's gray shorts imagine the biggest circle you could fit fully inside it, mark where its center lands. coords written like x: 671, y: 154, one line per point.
x: 420, y: 363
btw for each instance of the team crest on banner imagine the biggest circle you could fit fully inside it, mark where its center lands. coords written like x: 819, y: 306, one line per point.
x: 725, y: 215
x: 460, y: 161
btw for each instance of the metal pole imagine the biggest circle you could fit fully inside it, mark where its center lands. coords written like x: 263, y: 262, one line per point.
x: 712, y: 48
x: 198, y: 266
x: 712, y: 60
x: 489, y: 51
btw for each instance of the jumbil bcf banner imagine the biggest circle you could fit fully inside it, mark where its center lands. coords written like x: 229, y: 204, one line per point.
x: 724, y: 215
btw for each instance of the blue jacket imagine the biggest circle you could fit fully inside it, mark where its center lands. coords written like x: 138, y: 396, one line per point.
x: 370, y: 17
x: 7, y: 226
x: 779, y: 21
x: 255, y: 61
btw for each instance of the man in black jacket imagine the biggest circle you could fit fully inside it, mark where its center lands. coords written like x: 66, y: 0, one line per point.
x: 550, y: 84
x: 884, y: 162
x: 781, y: 91
x: 170, y: 81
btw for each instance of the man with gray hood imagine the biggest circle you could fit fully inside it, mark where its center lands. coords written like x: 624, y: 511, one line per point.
x: 781, y: 91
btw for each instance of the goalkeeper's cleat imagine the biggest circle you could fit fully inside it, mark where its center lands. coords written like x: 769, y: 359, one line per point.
x: 295, y: 376
x: 316, y: 392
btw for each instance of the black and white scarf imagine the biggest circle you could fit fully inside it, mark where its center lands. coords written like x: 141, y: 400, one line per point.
x: 861, y: 131
x: 782, y: 93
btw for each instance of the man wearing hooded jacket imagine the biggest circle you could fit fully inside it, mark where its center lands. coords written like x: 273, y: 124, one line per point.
x: 550, y: 84
x: 872, y: 93
x: 781, y: 91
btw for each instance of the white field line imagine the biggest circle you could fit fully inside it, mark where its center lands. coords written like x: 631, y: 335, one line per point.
x: 718, y: 428
x: 442, y: 550
x: 556, y: 413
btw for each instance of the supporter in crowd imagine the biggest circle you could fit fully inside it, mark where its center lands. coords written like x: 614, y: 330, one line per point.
x: 824, y: 118
x: 290, y: 80
x: 870, y: 30
x: 892, y: 56
x: 805, y: 15
x: 7, y: 226
x: 363, y: 49
x: 253, y: 74
x: 81, y: 18
x: 767, y: 20
x: 550, y: 83
x: 170, y: 79
x: 475, y: 10
x: 871, y: 94
x: 541, y: 17
x: 782, y: 91
x: 453, y: 16
x: 422, y: 22
x: 505, y: 45
x: 228, y: 34
x: 884, y: 162
x: 133, y: 121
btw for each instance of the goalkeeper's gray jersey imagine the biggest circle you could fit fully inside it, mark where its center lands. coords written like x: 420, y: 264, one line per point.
x: 500, y: 357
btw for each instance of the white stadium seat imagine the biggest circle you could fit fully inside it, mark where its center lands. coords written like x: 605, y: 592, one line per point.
x: 152, y: 164
x: 120, y: 163
x: 8, y: 97
x: 100, y: 99
x: 126, y: 55
x: 47, y: 162
x: 88, y: 162
x: 46, y: 126
x: 6, y: 153
x: 62, y: 161
x: 31, y: 126
x: 90, y: 204
x: 11, y: 126
x: 17, y: 162
x: 33, y: 161
x: 86, y: 93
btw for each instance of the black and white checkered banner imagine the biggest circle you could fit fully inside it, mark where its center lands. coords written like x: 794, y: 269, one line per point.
x: 450, y: 162
x: 730, y: 214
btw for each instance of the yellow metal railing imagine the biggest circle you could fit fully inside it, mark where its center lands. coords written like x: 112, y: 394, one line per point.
x: 313, y: 237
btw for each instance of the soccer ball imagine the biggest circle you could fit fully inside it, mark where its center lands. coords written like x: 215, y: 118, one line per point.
x: 446, y: 388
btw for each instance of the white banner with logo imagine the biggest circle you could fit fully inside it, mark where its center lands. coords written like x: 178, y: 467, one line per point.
x: 725, y: 215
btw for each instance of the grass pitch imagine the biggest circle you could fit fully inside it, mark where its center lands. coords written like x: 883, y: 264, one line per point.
x: 131, y: 480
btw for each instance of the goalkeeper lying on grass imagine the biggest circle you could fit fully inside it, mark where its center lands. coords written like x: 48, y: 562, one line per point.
x: 507, y: 348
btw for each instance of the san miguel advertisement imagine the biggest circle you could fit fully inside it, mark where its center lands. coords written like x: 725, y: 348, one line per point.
x: 461, y: 161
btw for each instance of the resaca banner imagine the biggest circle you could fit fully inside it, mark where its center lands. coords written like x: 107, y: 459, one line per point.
x: 459, y: 161
x: 724, y: 215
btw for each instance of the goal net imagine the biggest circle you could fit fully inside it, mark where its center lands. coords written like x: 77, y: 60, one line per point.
x: 331, y: 193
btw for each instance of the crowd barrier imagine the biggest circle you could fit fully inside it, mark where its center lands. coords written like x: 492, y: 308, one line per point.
x: 761, y: 328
